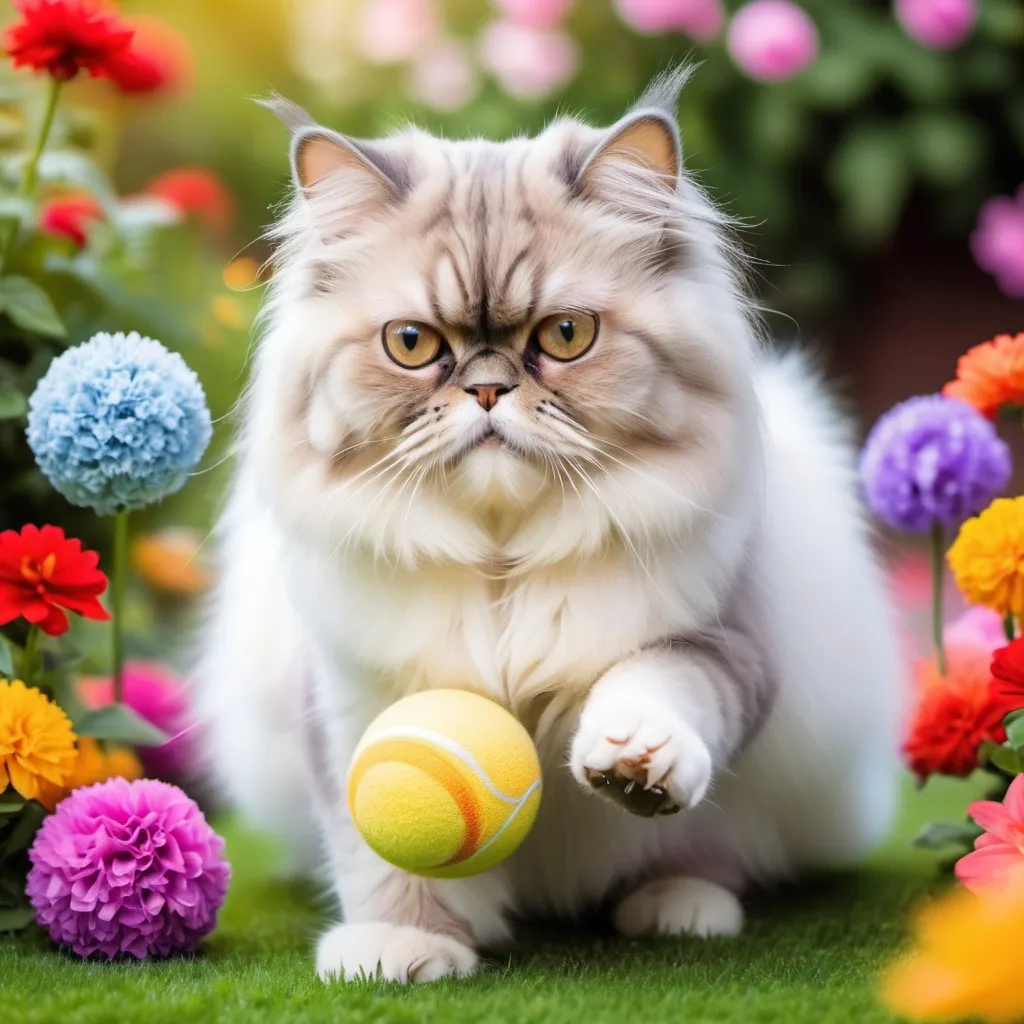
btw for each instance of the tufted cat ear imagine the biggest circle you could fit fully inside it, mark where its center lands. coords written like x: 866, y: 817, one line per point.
x: 647, y: 140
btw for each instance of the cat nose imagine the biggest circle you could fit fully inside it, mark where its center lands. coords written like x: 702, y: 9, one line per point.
x: 487, y: 395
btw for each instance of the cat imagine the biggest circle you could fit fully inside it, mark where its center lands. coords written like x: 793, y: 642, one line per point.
x: 512, y: 428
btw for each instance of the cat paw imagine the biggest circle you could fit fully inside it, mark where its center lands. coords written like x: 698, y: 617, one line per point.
x: 680, y: 906
x: 650, y: 762
x: 388, y: 952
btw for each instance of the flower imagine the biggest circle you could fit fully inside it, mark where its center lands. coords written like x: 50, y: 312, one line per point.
x: 118, y: 422
x: 932, y: 460
x: 127, y: 868
x: 70, y: 217
x: 977, y: 626
x: 37, y: 745
x: 953, y: 713
x: 63, y: 37
x: 997, y: 242
x: 170, y: 560
x: 43, y: 572
x: 536, y: 13
x: 987, y: 557
x: 1008, y: 674
x: 161, y: 698
x: 195, y: 192
x: 966, y: 962
x: 392, y: 31
x: 158, y: 60
x: 700, y: 19
x: 91, y: 764
x: 999, y: 852
x: 529, y: 63
x: 991, y: 374
x: 443, y: 76
x: 937, y: 24
x: 771, y: 40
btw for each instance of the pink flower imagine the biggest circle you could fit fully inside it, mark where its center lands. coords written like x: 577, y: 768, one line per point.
x: 699, y: 19
x: 937, y: 24
x: 1000, y: 851
x: 528, y: 62
x: 392, y: 31
x: 979, y: 626
x: 997, y: 243
x: 536, y: 13
x: 771, y: 40
x: 443, y: 77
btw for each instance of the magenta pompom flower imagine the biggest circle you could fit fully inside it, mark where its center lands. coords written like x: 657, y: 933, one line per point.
x: 127, y: 868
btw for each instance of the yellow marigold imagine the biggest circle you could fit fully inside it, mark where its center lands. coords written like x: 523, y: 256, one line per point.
x: 37, y: 746
x: 92, y: 764
x: 966, y: 962
x: 987, y: 557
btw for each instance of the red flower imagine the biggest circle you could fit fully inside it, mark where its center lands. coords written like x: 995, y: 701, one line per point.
x: 63, y: 37
x: 955, y: 713
x: 159, y: 59
x: 195, y: 191
x: 41, y: 572
x: 70, y: 217
x: 1008, y: 674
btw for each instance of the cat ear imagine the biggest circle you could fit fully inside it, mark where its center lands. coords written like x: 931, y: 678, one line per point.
x: 645, y: 141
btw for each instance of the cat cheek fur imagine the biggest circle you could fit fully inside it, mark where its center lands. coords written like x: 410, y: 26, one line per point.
x: 661, y: 576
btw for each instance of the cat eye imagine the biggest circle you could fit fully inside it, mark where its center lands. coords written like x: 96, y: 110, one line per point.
x: 412, y: 344
x: 566, y: 336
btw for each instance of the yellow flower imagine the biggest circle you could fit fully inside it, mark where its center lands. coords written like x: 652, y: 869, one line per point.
x: 967, y: 961
x: 92, y: 764
x: 170, y: 560
x: 37, y: 746
x: 987, y: 557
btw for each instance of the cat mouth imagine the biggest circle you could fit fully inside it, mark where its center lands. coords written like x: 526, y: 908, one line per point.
x: 490, y: 439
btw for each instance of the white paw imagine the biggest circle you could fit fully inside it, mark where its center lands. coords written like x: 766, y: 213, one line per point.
x: 648, y: 760
x: 389, y: 952
x: 680, y: 906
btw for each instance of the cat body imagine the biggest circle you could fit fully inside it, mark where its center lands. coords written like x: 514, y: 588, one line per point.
x: 510, y: 430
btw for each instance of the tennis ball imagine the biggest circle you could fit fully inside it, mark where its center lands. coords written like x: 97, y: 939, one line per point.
x: 445, y: 784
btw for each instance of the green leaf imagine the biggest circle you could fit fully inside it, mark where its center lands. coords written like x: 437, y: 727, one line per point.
x: 1015, y: 731
x: 29, y: 307
x: 1007, y: 760
x: 24, y: 830
x: 11, y: 802
x: 947, y: 148
x: 946, y: 833
x: 13, y: 919
x: 13, y: 404
x: 6, y: 661
x: 119, y: 722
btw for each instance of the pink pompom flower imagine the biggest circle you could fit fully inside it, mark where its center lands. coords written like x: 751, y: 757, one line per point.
x: 393, y: 31
x: 997, y: 243
x: 700, y: 19
x: 536, y: 13
x: 999, y: 852
x: 772, y: 40
x: 443, y: 76
x: 127, y: 868
x: 529, y: 63
x: 938, y: 24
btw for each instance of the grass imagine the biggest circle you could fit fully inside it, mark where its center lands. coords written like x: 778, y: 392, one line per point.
x: 810, y: 953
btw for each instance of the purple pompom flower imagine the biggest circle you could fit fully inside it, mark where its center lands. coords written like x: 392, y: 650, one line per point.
x: 127, y: 868
x: 932, y: 460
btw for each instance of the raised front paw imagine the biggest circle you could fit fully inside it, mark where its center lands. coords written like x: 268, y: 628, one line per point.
x: 389, y: 952
x: 648, y: 761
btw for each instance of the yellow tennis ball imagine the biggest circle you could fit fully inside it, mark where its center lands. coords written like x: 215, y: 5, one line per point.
x: 445, y: 784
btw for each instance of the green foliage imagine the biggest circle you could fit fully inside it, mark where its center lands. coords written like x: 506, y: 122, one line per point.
x: 119, y: 723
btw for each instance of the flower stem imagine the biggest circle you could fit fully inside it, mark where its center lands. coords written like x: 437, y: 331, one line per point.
x: 117, y: 581
x: 30, y: 655
x: 30, y: 174
x: 938, y: 550
x: 1009, y: 626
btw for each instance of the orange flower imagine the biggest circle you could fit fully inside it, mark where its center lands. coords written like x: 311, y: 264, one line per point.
x: 170, y: 561
x: 195, y: 192
x: 990, y: 375
x: 92, y: 764
x: 37, y: 746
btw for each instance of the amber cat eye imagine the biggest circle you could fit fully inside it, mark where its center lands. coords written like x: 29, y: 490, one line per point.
x: 412, y: 344
x: 566, y: 336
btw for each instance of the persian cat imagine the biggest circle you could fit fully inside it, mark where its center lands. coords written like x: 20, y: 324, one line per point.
x: 511, y: 428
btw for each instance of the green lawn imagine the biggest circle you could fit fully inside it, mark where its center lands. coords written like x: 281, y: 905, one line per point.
x: 809, y: 954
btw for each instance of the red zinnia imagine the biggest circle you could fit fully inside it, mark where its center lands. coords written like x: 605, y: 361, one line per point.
x: 63, y: 37
x: 955, y: 713
x: 41, y: 572
x: 195, y: 191
x: 70, y: 217
x: 1008, y: 674
x: 158, y: 60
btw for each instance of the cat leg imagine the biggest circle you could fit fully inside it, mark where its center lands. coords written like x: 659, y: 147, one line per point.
x: 684, y: 905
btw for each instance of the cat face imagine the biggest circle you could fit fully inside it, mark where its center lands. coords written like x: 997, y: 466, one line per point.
x: 488, y: 332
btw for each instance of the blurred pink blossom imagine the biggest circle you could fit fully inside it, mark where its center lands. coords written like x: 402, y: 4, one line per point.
x: 997, y: 243
x: 392, y: 31
x: 977, y: 625
x: 771, y: 40
x: 528, y: 62
x: 536, y: 13
x: 700, y: 19
x: 443, y: 76
x: 938, y: 24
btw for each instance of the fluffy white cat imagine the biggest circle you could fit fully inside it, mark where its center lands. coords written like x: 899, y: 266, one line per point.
x: 511, y: 429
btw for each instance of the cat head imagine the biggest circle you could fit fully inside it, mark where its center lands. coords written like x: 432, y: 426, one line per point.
x: 518, y: 351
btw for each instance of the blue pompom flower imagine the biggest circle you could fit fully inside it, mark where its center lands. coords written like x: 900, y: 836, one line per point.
x: 118, y: 422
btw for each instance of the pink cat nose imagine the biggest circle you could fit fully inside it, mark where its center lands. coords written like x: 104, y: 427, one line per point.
x: 487, y: 395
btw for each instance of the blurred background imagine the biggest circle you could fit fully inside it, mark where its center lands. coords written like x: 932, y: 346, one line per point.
x: 872, y: 149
